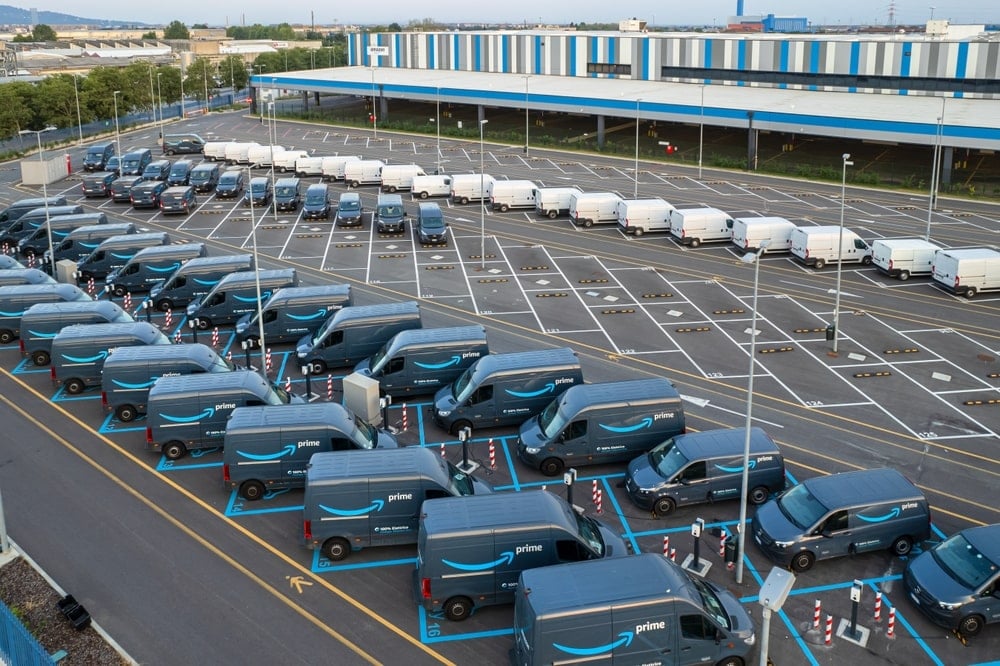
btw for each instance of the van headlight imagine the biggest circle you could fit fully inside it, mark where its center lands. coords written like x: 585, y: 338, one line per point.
x: 948, y: 607
x: 532, y: 450
x: 784, y: 544
x: 444, y: 412
x: 751, y: 639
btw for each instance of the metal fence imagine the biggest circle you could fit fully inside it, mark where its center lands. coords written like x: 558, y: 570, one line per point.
x: 17, y: 646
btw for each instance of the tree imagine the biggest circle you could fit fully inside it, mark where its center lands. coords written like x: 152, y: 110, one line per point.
x: 43, y: 33
x: 55, y: 101
x: 15, y: 112
x: 199, y: 26
x: 233, y: 72
x: 149, y: 35
x: 139, y: 81
x: 176, y: 30
x: 97, y: 92
x: 199, y: 78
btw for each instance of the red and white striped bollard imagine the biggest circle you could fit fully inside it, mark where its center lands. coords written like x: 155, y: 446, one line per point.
x: 91, y: 288
x: 288, y: 384
x: 405, y: 423
x: 215, y: 337
x: 828, y: 637
x: 600, y: 500
x: 878, y: 606
x: 443, y: 454
x: 178, y: 338
x: 890, y: 630
x: 593, y: 492
x: 666, y: 546
x: 168, y: 317
x: 493, y: 454
x: 127, y: 301
x: 329, y: 387
x: 816, y: 614
x: 673, y: 554
x: 722, y: 546
x: 267, y: 361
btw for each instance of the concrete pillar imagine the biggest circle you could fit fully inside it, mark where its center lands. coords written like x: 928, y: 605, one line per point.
x: 383, y: 106
x: 600, y: 132
x: 305, y: 100
x: 481, y: 112
x: 751, y: 143
x: 947, y: 161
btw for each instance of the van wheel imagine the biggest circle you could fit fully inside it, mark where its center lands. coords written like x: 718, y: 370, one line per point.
x: 392, y: 189
x: 125, y: 413
x: 463, y: 200
x: 971, y: 625
x: 664, y: 507
x: 866, y: 260
x: 759, y: 494
x: 6, y: 336
x: 971, y: 292
x: 551, y: 466
x: 165, y: 304
x: 820, y: 263
x: 174, y: 450
x: 695, y: 242
x: 354, y: 183
x: 317, y: 367
x: 803, y: 561
x: 336, y: 548
x: 170, y: 152
x: 204, y: 324
x: 553, y: 214
x: 639, y: 231
x: 74, y: 386
x: 457, y: 609
x: 504, y: 208
x: 457, y: 426
x: 252, y: 490
x: 730, y: 661
x: 119, y: 290
x: 904, y: 275
x: 588, y: 224
x: 423, y: 195
x: 902, y: 546
x: 40, y: 357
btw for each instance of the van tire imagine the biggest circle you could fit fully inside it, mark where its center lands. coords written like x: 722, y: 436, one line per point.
x: 820, y: 263
x: 759, y: 494
x: 165, y: 304
x: 904, y: 275
x: 353, y: 184
x: 504, y: 208
x: 252, y: 490
x: 74, y: 386
x: 663, y: 507
x: 317, y: 367
x: 126, y: 413
x: 639, y: 231
x: 40, y: 357
x: 336, y: 549
x: 866, y: 260
x: 902, y: 546
x: 695, y: 242
x: 6, y: 336
x: 174, y: 450
x: 970, y: 625
x: 551, y: 467
x: 971, y: 292
x: 803, y: 561
x: 423, y: 195
x: 204, y: 324
x: 463, y: 200
x: 458, y: 425
x: 588, y: 224
x: 392, y: 189
x: 457, y: 609
x: 731, y: 661
x: 553, y: 214
x: 119, y: 290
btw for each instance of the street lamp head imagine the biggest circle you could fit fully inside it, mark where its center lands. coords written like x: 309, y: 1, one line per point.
x: 483, y: 122
x: 847, y: 156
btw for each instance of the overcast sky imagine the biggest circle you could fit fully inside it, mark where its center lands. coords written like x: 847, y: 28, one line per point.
x: 705, y: 12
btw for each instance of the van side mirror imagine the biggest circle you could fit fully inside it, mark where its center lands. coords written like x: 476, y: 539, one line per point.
x: 719, y: 636
x: 825, y: 534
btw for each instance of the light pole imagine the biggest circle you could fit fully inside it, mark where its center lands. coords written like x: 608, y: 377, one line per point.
x: 182, y: 90
x: 256, y: 272
x: 635, y: 194
x: 159, y: 102
x: 79, y: 120
x: 935, y: 169
x: 525, y: 77
x: 748, y: 258
x: 482, y: 199
x: 840, y: 250
x: 260, y: 98
x: 204, y: 71
x: 374, y: 112
x: 273, y: 204
x: 45, y: 191
x: 701, y: 130
x: 118, y: 140
x: 437, y: 116
x: 152, y: 97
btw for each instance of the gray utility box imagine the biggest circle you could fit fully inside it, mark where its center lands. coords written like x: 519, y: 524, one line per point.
x: 64, y: 271
x: 361, y: 397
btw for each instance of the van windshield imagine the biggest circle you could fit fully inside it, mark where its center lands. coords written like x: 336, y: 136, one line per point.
x: 964, y: 563
x: 801, y: 507
x: 287, y: 191
x: 667, y: 459
x: 551, y: 420
x: 460, y: 482
x: 378, y: 358
x: 590, y: 533
x: 222, y: 365
x: 278, y: 396
x: 350, y: 205
x: 462, y: 387
x: 316, y: 199
x: 711, y: 603
x: 389, y: 211
x: 365, y: 435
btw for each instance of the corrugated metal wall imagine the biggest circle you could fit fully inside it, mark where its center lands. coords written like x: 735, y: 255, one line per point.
x: 568, y: 54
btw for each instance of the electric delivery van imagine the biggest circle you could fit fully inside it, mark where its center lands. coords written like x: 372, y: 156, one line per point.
x: 150, y: 265
x: 42, y: 322
x: 16, y: 299
x: 293, y: 312
x: 235, y: 295
x: 114, y: 252
x: 79, y: 351
x: 195, y: 279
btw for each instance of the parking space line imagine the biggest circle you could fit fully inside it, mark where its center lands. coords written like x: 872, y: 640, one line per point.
x: 579, y: 299
x: 520, y: 285
x: 412, y: 233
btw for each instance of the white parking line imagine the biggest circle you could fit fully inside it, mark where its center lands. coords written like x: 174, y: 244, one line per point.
x: 521, y: 287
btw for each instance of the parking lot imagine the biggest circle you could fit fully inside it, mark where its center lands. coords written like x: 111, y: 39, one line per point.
x: 914, y: 385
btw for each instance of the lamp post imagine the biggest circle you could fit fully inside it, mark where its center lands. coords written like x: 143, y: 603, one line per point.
x: 840, y: 249
x: 159, y: 102
x: 79, y: 120
x: 259, y: 96
x: 256, y: 272
x: 45, y: 191
x: 701, y: 130
x: 748, y: 258
x: 935, y: 170
x: 525, y: 77
x: 118, y: 140
x: 204, y: 71
x: 273, y: 204
x: 182, y: 90
x: 152, y: 96
x: 482, y: 199
x: 437, y: 116
x: 635, y: 194
x: 374, y: 112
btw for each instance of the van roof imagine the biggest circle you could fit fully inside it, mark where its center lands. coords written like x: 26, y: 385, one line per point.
x: 107, y: 308
x: 986, y: 539
x: 126, y: 355
x: 208, y: 382
x: 140, y: 239
x: 53, y: 211
x: 206, y: 166
x: 108, y: 331
x: 111, y: 229
x: 333, y: 465
x: 862, y: 487
x: 79, y: 217
x: 66, y: 291
x: 318, y: 292
x: 157, y: 250
x: 906, y: 243
x: 562, y: 357
x: 971, y: 253
x: 503, y: 511
x: 358, y: 313
x: 214, y: 262
x: 241, y: 277
x: 652, y: 389
x: 287, y: 182
x: 30, y: 275
x: 594, y: 195
x: 309, y: 415
x: 317, y: 187
x: 755, y: 221
x: 432, y: 337
x: 827, y: 229
x: 724, y: 442
x: 610, y: 580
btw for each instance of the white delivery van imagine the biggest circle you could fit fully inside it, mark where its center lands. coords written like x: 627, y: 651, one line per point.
x: 507, y: 194
x: 748, y: 232
x: 215, y: 151
x: 817, y: 246
x: 903, y: 257
x: 640, y: 216
x: 431, y: 186
x: 363, y: 172
x: 286, y: 160
x: 466, y: 187
x: 238, y: 152
x: 589, y: 208
x: 399, y: 176
x: 309, y: 166
x: 262, y: 156
x: 694, y: 226
x: 967, y: 272
x: 333, y: 167
x: 551, y: 202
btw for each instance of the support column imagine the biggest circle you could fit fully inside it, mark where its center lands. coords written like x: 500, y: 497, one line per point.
x: 751, y: 143
x: 600, y: 132
x: 305, y: 100
x: 481, y: 112
x: 383, y: 106
x: 947, y: 161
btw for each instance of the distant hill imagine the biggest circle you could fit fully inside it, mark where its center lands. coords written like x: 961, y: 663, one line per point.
x: 17, y: 16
